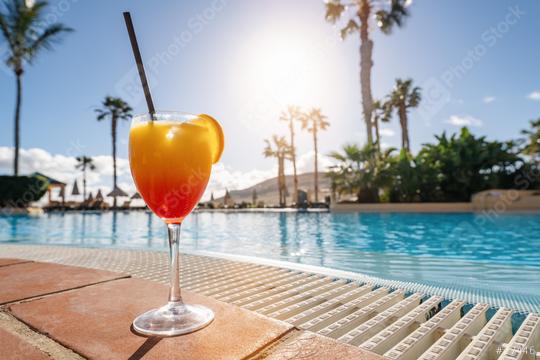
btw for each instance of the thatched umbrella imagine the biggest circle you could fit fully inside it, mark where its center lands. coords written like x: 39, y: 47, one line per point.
x: 117, y: 192
x: 75, y: 190
x: 90, y: 197
x: 136, y: 196
x: 99, y: 195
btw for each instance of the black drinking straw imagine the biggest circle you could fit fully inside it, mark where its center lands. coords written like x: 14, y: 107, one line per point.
x: 140, y: 66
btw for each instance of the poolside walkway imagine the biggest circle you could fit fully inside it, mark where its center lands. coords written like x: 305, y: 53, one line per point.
x: 66, y: 312
x: 95, y: 317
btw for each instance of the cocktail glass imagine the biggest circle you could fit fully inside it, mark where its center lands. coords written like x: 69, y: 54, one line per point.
x: 171, y: 156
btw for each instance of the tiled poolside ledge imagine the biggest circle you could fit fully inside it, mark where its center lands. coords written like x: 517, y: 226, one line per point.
x: 397, y: 324
x: 50, y: 310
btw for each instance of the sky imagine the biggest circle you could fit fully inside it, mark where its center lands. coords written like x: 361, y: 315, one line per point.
x: 244, y: 61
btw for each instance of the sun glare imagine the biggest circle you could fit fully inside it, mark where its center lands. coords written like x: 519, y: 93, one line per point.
x: 284, y: 67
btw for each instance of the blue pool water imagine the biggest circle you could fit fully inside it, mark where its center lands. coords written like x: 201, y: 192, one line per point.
x: 466, y: 251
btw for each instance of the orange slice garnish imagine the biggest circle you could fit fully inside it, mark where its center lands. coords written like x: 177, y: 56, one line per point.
x: 217, y: 138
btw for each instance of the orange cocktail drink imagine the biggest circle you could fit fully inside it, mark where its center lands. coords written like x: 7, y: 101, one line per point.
x: 171, y: 164
x: 171, y: 156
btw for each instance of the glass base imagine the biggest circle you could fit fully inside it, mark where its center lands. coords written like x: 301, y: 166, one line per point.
x: 175, y: 318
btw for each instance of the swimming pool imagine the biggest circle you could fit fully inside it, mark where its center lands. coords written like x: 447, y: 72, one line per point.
x: 473, y: 253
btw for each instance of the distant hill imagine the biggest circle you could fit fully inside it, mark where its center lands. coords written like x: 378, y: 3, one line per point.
x: 267, y: 190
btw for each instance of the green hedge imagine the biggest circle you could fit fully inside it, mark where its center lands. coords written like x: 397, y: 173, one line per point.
x: 20, y: 191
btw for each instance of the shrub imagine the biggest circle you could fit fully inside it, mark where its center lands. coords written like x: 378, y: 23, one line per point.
x: 20, y: 191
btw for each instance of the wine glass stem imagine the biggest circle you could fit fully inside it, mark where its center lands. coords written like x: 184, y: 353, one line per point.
x: 174, y: 258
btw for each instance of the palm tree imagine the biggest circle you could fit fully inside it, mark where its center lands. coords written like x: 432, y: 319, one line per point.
x: 83, y: 163
x: 532, y: 146
x: 281, y: 150
x: 115, y: 109
x: 387, y: 15
x: 354, y: 172
x: 314, y: 121
x: 22, y: 29
x: 290, y: 116
x: 403, y: 97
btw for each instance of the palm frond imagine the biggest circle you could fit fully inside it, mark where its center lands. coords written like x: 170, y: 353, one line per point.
x: 101, y: 114
x: 304, y: 120
x: 334, y: 10
x: 350, y: 28
x: 85, y: 162
x: 337, y: 156
x: 46, y: 40
x: 277, y: 147
x: 292, y: 113
x: 4, y: 28
x: 24, y: 31
x: 114, y: 107
x: 415, y: 97
x: 404, y: 94
x: 394, y: 16
x: 388, y: 152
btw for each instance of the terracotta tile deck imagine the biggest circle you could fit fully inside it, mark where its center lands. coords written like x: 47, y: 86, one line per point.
x: 90, y: 312
x: 5, y: 261
x: 95, y: 322
x: 13, y: 347
x: 24, y: 281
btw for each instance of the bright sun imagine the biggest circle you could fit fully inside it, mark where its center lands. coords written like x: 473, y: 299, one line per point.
x: 285, y: 68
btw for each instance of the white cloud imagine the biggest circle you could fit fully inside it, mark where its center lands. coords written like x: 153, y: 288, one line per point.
x: 488, y: 99
x: 535, y: 95
x: 387, y: 132
x: 464, y: 120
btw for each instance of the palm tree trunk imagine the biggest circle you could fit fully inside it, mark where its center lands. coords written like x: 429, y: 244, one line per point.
x: 283, y: 183
x: 280, y: 181
x: 377, y: 135
x: 113, y: 133
x: 407, y: 142
x: 17, y: 125
x: 293, y: 156
x: 404, y: 128
x: 402, y: 132
x: 315, y: 147
x: 84, y: 182
x: 366, y: 63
